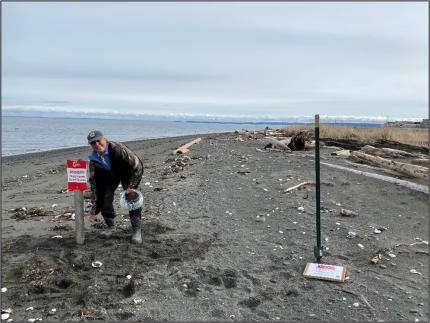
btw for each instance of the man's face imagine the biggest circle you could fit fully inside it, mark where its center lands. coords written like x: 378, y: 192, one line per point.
x: 99, y: 145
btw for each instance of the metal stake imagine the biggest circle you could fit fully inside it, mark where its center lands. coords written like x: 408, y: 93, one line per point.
x: 79, y: 217
x: 318, y: 249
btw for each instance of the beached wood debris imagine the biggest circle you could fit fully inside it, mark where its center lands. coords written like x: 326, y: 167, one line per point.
x: 178, y: 165
x: 303, y: 184
x: 276, y: 144
x: 424, y: 162
x: 343, y: 152
x: 385, y: 170
x: 346, y: 212
x: 404, y: 168
x: 185, y: 148
x: 400, y: 182
x: 298, y: 141
x: 386, y: 152
x: 397, y: 145
x: 24, y: 213
x: 310, y: 145
x: 296, y: 187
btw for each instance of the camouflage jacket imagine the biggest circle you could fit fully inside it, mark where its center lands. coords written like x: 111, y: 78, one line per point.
x: 127, y: 168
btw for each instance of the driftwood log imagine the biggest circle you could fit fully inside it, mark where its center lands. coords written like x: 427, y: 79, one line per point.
x: 276, y: 144
x: 424, y: 162
x: 185, y: 148
x: 404, y: 168
x: 385, y: 170
x: 298, y: 141
x: 386, y: 152
x: 400, y: 182
x: 343, y: 152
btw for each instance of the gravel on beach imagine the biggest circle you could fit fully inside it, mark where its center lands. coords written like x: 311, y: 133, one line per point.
x: 222, y: 240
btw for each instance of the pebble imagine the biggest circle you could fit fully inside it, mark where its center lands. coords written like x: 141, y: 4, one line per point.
x: 382, y: 266
x: 376, y: 231
x: 3, y: 289
x: 351, y: 234
x: 96, y: 264
x: 260, y: 218
x: 5, y: 316
x: 413, y: 310
x: 356, y: 304
x: 29, y: 308
x: 360, y: 246
x: 392, y: 255
x: 300, y: 208
x: 281, y: 232
x: 128, y: 277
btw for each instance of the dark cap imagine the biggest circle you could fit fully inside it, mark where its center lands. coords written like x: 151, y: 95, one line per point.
x: 95, y: 135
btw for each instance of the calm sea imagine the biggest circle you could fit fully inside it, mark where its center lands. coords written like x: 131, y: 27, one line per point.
x: 21, y: 135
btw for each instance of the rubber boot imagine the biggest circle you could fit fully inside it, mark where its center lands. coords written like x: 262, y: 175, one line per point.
x: 135, y: 219
x: 106, y: 234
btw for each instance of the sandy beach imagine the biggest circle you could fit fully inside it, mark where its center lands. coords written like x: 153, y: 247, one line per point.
x: 222, y: 240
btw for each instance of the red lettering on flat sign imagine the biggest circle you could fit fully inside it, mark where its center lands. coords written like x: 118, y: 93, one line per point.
x: 77, y: 175
x: 322, y: 266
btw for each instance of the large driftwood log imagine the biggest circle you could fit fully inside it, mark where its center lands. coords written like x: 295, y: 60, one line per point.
x: 298, y: 141
x: 401, y: 182
x: 276, y: 144
x: 408, y: 169
x: 185, y: 148
x: 385, y: 170
x: 398, y: 145
x: 424, y: 162
x: 386, y: 152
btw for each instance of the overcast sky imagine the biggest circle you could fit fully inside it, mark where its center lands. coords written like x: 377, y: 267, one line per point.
x: 260, y: 59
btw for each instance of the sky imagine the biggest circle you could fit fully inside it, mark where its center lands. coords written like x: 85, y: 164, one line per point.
x: 238, y: 59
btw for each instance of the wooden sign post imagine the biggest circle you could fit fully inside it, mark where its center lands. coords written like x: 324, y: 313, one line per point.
x: 77, y: 181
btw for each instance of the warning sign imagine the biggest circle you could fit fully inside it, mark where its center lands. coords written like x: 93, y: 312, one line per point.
x: 76, y: 175
x: 325, y: 272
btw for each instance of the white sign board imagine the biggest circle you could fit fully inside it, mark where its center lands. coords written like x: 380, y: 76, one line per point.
x: 325, y: 272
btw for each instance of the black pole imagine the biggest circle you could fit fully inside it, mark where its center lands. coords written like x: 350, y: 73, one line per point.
x: 318, y: 250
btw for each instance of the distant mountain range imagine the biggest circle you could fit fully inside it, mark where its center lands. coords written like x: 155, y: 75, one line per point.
x: 343, y: 120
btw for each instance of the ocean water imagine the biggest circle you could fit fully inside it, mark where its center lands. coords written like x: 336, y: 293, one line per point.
x: 21, y: 135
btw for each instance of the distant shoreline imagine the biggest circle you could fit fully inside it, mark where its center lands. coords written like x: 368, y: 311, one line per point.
x: 169, y: 119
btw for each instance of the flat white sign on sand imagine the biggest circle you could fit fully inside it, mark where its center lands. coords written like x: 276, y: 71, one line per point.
x: 325, y: 272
